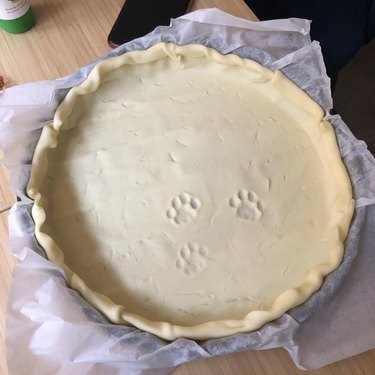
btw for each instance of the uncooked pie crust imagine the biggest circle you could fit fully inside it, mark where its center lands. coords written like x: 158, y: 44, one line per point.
x: 190, y: 194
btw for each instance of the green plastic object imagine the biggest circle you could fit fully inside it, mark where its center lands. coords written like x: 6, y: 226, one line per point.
x: 16, y: 16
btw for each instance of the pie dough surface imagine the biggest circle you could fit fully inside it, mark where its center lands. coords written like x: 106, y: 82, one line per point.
x: 189, y: 193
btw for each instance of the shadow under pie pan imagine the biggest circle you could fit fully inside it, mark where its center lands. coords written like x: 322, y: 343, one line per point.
x: 190, y: 194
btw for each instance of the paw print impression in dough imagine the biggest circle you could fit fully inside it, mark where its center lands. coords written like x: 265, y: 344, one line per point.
x: 247, y: 205
x: 192, y: 258
x: 184, y: 208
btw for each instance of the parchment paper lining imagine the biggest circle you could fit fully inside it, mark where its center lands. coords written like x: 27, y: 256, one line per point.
x: 57, y: 331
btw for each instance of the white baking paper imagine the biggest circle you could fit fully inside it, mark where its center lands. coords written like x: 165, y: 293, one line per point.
x: 54, y: 331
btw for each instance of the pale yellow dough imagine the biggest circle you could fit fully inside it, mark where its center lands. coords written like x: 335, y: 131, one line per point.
x: 190, y: 194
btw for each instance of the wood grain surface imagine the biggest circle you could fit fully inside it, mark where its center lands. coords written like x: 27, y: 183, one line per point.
x: 69, y: 34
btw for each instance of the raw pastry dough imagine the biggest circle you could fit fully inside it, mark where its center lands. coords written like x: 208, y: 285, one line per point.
x: 190, y: 193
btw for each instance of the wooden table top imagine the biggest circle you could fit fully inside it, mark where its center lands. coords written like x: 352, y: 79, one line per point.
x: 69, y: 34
